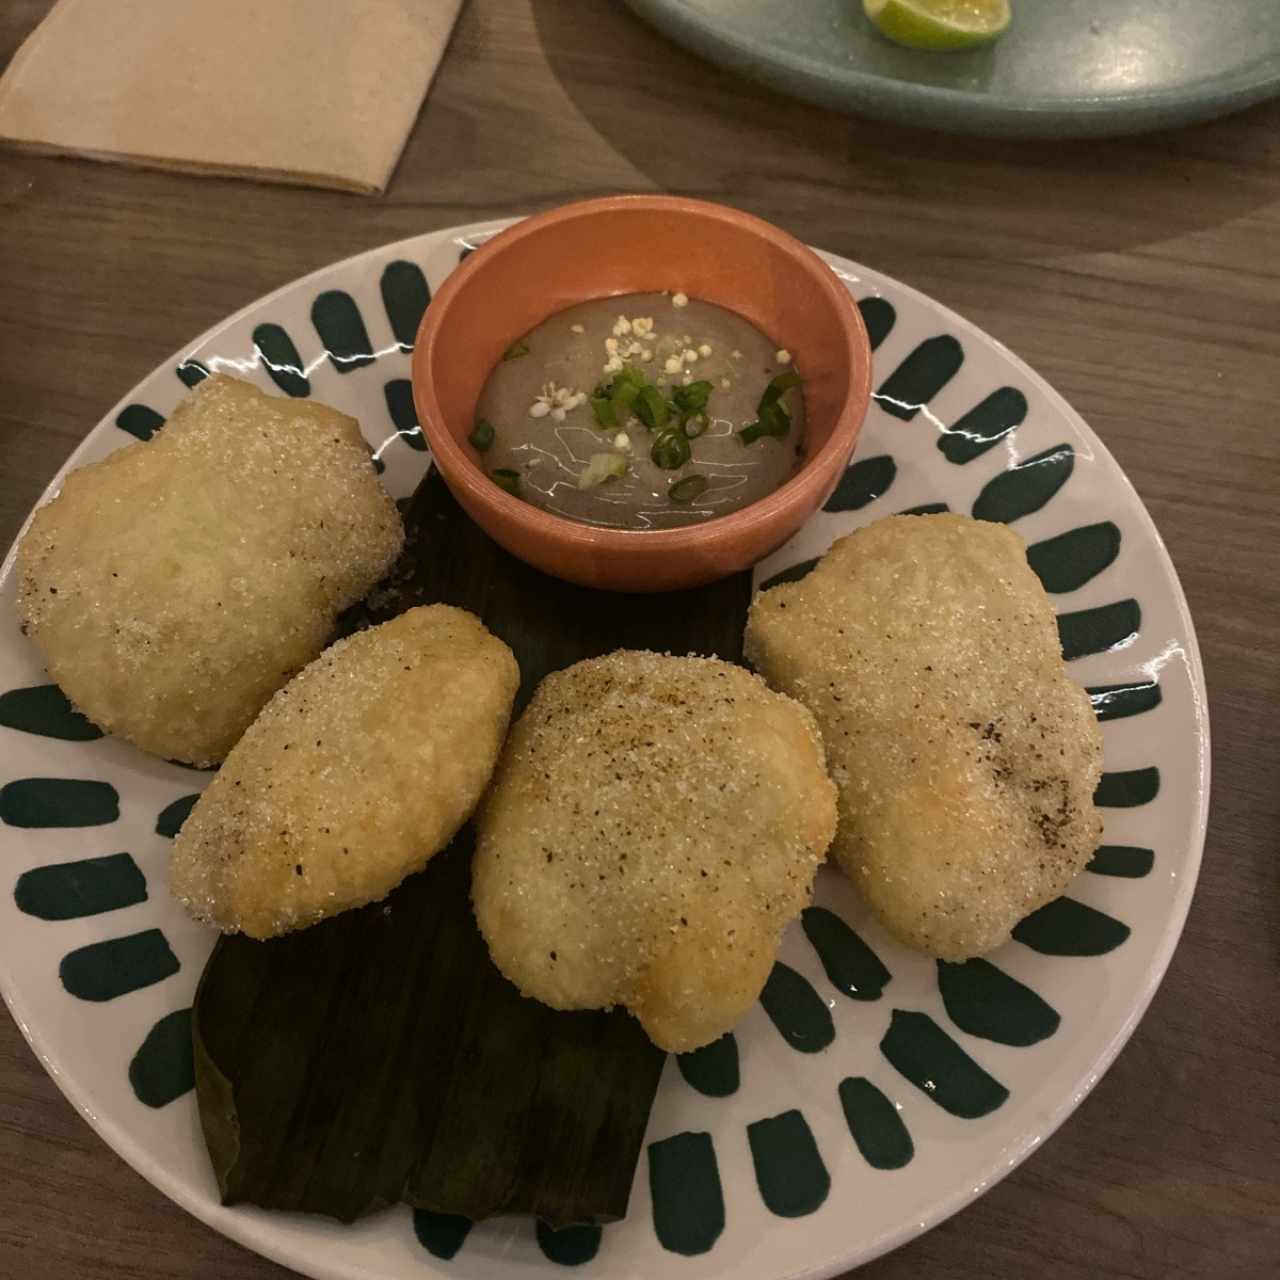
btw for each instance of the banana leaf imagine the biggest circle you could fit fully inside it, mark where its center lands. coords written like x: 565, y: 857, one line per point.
x: 380, y: 1056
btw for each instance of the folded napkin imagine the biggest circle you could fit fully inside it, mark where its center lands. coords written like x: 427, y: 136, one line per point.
x: 319, y: 92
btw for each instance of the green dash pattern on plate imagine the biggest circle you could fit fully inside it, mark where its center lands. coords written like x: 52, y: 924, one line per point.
x: 1069, y: 560
x: 793, y: 573
x: 875, y: 1125
x: 398, y: 393
x: 163, y: 1069
x: 106, y: 970
x: 712, y: 1070
x: 191, y: 373
x: 1118, y: 701
x: 341, y: 328
x: 45, y: 710
x: 73, y: 890
x: 791, y: 1177
x: 986, y: 1002
x: 1065, y: 927
x: 862, y: 483
x: 921, y: 1052
x: 1128, y: 788
x: 878, y: 315
x: 853, y: 968
x: 688, y: 1201
x: 405, y: 295
x: 569, y: 1246
x: 1090, y: 631
x: 984, y: 426
x: 279, y: 357
x: 440, y: 1234
x: 920, y: 377
x: 58, y: 802
x: 1127, y: 861
x: 139, y: 421
x: 797, y: 1010
x: 172, y: 816
x: 1027, y: 487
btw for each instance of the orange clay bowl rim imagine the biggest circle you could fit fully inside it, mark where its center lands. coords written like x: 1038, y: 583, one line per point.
x: 805, y: 486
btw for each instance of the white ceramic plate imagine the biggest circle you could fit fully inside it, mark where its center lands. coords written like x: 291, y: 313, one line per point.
x: 775, y: 1185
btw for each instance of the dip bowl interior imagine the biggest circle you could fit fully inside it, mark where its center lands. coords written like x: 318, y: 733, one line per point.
x: 638, y: 244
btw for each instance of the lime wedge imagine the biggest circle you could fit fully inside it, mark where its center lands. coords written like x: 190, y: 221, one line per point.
x: 941, y: 25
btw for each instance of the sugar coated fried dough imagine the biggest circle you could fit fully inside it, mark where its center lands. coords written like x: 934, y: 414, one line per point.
x: 174, y: 586
x: 357, y: 772
x: 654, y: 824
x: 965, y: 756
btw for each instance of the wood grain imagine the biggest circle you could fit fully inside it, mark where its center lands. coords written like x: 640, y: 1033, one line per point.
x: 1139, y: 276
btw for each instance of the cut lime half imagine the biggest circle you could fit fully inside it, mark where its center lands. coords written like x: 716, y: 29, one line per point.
x: 940, y: 25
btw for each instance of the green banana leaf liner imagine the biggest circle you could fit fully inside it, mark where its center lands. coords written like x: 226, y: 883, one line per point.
x: 380, y: 1056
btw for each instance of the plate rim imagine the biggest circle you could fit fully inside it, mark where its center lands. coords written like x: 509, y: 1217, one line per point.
x: 252, y: 1228
x: 935, y: 107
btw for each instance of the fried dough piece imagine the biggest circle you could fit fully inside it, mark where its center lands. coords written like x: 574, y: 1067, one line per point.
x: 965, y: 756
x: 654, y: 824
x: 174, y: 586
x: 357, y: 772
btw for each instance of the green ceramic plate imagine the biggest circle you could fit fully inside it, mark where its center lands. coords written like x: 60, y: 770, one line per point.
x: 1065, y: 68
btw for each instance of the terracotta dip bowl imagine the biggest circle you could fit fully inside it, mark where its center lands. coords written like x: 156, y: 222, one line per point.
x: 637, y: 244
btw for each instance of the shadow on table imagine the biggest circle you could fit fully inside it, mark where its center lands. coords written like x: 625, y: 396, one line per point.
x: 649, y: 100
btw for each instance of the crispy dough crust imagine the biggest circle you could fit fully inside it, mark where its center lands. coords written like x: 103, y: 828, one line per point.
x: 174, y: 586
x: 965, y: 756
x: 653, y: 826
x: 357, y: 772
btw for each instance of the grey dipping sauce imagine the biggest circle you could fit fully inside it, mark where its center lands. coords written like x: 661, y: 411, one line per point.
x: 538, y: 403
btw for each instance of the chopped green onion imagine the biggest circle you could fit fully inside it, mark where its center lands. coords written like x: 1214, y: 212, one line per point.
x: 481, y: 437
x: 652, y: 408
x: 671, y: 450
x: 686, y: 490
x: 774, y: 421
x: 690, y: 399
x: 624, y: 399
x: 516, y: 350
x: 612, y: 402
x: 603, y: 408
x: 773, y: 417
x: 696, y: 424
x: 506, y: 478
x: 601, y: 467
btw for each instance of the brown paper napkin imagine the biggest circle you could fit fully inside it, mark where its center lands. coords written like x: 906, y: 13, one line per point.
x: 319, y: 92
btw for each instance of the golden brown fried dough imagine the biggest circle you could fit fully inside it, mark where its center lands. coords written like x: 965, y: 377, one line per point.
x: 174, y: 586
x: 357, y: 772
x: 965, y: 756
x: 653, y: 826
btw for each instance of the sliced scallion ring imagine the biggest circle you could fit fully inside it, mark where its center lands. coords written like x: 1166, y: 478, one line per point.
x: 506, y: 478
x: 601, y: 467
x: 687, y: 489
x: 482, y: 435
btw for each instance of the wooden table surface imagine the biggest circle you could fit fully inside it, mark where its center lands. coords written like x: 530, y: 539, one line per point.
x: 1139, y: 276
